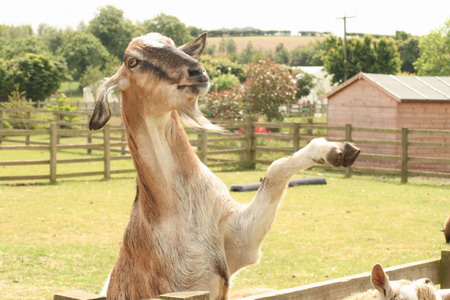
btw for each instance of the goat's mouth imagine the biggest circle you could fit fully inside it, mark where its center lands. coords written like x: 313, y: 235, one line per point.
x: 200, y: 88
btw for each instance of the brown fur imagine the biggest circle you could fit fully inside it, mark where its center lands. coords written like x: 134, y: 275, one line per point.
x: 446, y: 230
x: 185, y: 231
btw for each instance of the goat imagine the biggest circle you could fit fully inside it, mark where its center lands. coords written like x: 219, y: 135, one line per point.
x: 446, y: 230
x: 421, y: 289
x: 185, y: 231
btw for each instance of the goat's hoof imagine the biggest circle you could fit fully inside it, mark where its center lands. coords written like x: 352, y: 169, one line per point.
x: 344, y: 155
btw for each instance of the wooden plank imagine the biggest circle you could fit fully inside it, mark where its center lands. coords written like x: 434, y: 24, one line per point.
x: 233, y: 138
x: 123, y: 171
x: 81, y: 146
x: 24, y: 162
x: 380, y: 130
x: 275, y: 149
x: 429, y: 174
x: 376, y: 142
x: 28, y: 147
x: 429, y: 159
x: 22, y: 132
x: 78, y: 160
x: 24, y: 177
x: 80, y: 174
x: 77, y: 295
x: 343, y: 287
x: 430, y: 132
x: 379, y: 156
x: 275, y: 136
x: 429, y: 144
x: 201, y: 295
x: 227, y: 151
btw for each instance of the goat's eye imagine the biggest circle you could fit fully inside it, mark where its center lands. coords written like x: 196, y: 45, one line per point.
x: 132, y: 62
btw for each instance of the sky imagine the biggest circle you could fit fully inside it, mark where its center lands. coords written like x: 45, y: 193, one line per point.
x: 370, y: 17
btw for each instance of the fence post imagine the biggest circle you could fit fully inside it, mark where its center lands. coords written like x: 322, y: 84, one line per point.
x: 444, y: 269
x: 57, y: 120
x: 53, y: 151
x: 348, y: 138
x: 1, y: 123
x: 28, y: 127
x: 203, y: 136
x: 310, y: 130
x: 296, y: 137
x: 404, y: 155
x: 107, y: 151
x: 250, y: 143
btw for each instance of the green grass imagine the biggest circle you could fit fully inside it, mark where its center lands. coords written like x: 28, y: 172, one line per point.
x: 66, y: 236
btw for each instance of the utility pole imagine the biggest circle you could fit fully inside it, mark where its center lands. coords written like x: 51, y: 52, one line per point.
x: 345, y: 43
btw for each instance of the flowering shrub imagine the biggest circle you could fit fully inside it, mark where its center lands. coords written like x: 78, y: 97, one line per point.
x: 226, y: 104
x: 268, y: 86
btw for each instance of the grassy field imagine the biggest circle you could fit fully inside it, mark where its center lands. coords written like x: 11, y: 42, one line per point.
x: 66, y: 236
x: 267, y: 42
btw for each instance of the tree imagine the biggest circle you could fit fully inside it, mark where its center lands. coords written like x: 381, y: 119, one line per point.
x: 306, y: 55
x: 305, y: 82
x: 112, y: 29
x: 435, y: 47
x: 282, y: 55
x: 220, y: 66
x: 19, y: 47
x: 82, y: 49
x: 363, y: 55
x: 36, y: 75
x: 268, y: 86
x: 169, y: 26
x: 408, y: 48
x: 52, y: 37
x: 6, y: 83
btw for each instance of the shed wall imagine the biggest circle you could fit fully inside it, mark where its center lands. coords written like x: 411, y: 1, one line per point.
x: 364, y: 104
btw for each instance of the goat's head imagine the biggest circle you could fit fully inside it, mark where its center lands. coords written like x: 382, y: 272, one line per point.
x: 421, y: 289
x: 157, y: 77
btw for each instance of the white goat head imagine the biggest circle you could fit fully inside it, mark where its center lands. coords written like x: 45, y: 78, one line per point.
x: 421, y: 289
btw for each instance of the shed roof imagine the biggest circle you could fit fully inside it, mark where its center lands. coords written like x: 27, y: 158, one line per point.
x: 406, y: 88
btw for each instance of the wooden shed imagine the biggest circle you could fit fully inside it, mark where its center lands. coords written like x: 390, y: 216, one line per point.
x: 388, y: 101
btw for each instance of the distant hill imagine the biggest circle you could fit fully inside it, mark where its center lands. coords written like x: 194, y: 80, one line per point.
x: 267, y: 42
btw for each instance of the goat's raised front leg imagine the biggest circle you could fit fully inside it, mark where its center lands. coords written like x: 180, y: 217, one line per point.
x: 247, y: 228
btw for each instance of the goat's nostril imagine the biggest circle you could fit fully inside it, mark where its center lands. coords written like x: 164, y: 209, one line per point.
x: 194, y: 72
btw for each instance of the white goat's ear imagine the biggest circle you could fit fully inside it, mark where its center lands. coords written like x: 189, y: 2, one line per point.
x: 102, y: 112
x: 195, y: 48
x: 380, y: 280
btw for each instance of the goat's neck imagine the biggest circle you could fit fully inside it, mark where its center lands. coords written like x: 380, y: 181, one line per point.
x: 161, y: 153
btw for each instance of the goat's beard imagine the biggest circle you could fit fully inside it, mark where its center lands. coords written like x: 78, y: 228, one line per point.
x: 191, y: 116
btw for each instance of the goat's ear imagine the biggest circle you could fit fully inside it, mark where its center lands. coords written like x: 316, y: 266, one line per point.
x: 195, y: 48
x: 102, y: 112
x: 380, y: 280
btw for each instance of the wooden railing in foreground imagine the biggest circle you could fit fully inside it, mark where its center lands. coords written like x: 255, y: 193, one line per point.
x: 438, y: 270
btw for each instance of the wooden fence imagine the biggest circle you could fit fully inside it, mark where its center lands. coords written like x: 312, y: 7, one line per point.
x: 246, y: 144
x: 438, y: 270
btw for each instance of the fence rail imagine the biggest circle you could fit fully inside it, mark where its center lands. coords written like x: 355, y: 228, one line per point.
x: 437, y: 270
x: 247, y: 143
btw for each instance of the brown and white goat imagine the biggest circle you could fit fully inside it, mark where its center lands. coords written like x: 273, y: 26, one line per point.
x: 185, y: 231
x: 421, y: 289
